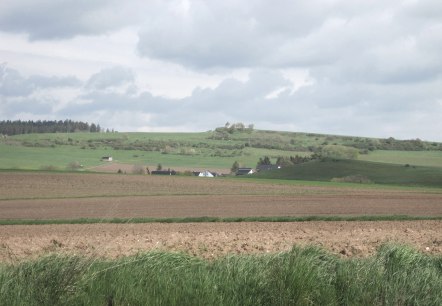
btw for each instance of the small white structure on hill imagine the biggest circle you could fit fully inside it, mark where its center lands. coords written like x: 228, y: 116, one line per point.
x: 206, y: 173
x: 106, y: 158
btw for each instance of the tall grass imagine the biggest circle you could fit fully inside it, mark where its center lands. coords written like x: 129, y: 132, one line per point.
x: 396, y: 275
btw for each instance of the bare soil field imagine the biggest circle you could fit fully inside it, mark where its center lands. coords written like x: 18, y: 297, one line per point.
x: 33, y: 195
x: 26, y: 195
x: 220, y: 206
x: 211, y: 240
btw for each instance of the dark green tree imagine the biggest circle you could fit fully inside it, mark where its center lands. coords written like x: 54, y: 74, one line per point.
x: 264, y: 161
x: 235, y: 167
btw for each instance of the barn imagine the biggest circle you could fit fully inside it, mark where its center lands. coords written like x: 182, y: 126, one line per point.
x: 206, y: 173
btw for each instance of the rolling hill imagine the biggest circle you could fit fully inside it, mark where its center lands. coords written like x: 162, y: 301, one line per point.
x: 216, y: 149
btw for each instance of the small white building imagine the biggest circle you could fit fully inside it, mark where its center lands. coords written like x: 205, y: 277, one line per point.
x: 107, y: 158
x: 206, y: 173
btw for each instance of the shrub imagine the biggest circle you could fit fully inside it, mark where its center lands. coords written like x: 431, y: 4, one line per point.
x: 75, y: 165
x: 48, y: 167
x: 138, y: 169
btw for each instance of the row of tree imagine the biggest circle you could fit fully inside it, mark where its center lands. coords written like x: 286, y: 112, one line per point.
x: 287, y: 160
x: 8, y: 127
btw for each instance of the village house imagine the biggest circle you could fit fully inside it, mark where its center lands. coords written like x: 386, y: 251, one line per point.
x: 245, y: 171
x: 107, y: 158
x: 204, y: 173
x: 164, y: 172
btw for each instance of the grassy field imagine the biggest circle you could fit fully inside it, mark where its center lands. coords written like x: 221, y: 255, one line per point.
x: 371, y: 172
x: 303, y: 276
x: 415, y: 158
x: 40, y: 151
x: 212, y: 149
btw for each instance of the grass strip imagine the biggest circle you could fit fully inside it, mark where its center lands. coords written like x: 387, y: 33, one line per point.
x: 396, y: 275
x: 218, y: 219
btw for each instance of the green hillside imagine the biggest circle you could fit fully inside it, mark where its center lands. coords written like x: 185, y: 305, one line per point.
x: 355, y: 170
x: 219, y: 148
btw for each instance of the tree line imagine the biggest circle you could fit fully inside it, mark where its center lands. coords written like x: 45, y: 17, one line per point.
x: 8, y: 127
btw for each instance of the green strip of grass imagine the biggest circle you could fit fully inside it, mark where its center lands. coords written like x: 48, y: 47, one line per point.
x: 396, y: 275
x: 218, y: 219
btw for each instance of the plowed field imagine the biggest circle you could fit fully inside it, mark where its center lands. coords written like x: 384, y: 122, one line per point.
x: 70, y: 196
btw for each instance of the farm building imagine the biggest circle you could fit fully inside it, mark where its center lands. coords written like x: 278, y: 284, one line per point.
x: 164, y: 172
x: 205, y: 173
x: 267, y: 167
x: 106, y: 158
x: 245, y: 171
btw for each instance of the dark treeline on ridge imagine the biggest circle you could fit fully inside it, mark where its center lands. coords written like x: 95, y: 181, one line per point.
x: 8, y: 127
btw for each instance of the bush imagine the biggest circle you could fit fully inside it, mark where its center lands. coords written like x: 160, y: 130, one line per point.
x: 48, y: 168
x: 138, y: 169
x: 74, y: 165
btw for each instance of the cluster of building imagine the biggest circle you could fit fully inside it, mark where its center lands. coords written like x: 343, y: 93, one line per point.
x: 207, y: 173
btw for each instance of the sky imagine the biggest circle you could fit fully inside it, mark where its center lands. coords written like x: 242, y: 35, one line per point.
x: 346, y: 67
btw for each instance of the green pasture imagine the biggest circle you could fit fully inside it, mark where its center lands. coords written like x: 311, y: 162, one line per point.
x: 395, y: 275
x: 209, y: 149
x: 192, y: 150
x: 379, y: 173
x: 415, y: 158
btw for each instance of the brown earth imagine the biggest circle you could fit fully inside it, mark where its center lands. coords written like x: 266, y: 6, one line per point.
x: 26, y: 195
x: 66, y: 196
x: 210, y: 240
x: 220, y: 206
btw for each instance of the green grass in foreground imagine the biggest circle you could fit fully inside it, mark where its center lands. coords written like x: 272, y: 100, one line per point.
x: 217, y: 219
x: 396, y: 275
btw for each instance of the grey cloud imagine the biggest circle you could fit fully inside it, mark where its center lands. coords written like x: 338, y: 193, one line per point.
x: 47, y: 19
x: 110, y: 77
x: 228, y: 34
x: 18, y: 105
x: 12, y: 83
x: 53, y: 81
x: 391, y: 42
x: 323, y: 107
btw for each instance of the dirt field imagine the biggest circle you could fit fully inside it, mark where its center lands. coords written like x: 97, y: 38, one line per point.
x: 210, y: 240
x: 69, y: 196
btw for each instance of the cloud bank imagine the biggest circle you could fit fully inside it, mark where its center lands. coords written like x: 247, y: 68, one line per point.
x: 345, y: 67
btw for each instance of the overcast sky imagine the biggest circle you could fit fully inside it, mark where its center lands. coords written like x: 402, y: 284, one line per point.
x: 349, y: 67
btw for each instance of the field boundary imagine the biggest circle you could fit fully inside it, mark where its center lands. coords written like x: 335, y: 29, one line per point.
x: 219, y: 220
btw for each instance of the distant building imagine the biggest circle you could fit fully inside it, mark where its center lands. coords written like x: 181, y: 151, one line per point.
x: 107, y: 158
x: 206, y: 173
x: 267, y: 167
x: 163, y: 172
x: 245, y: 171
